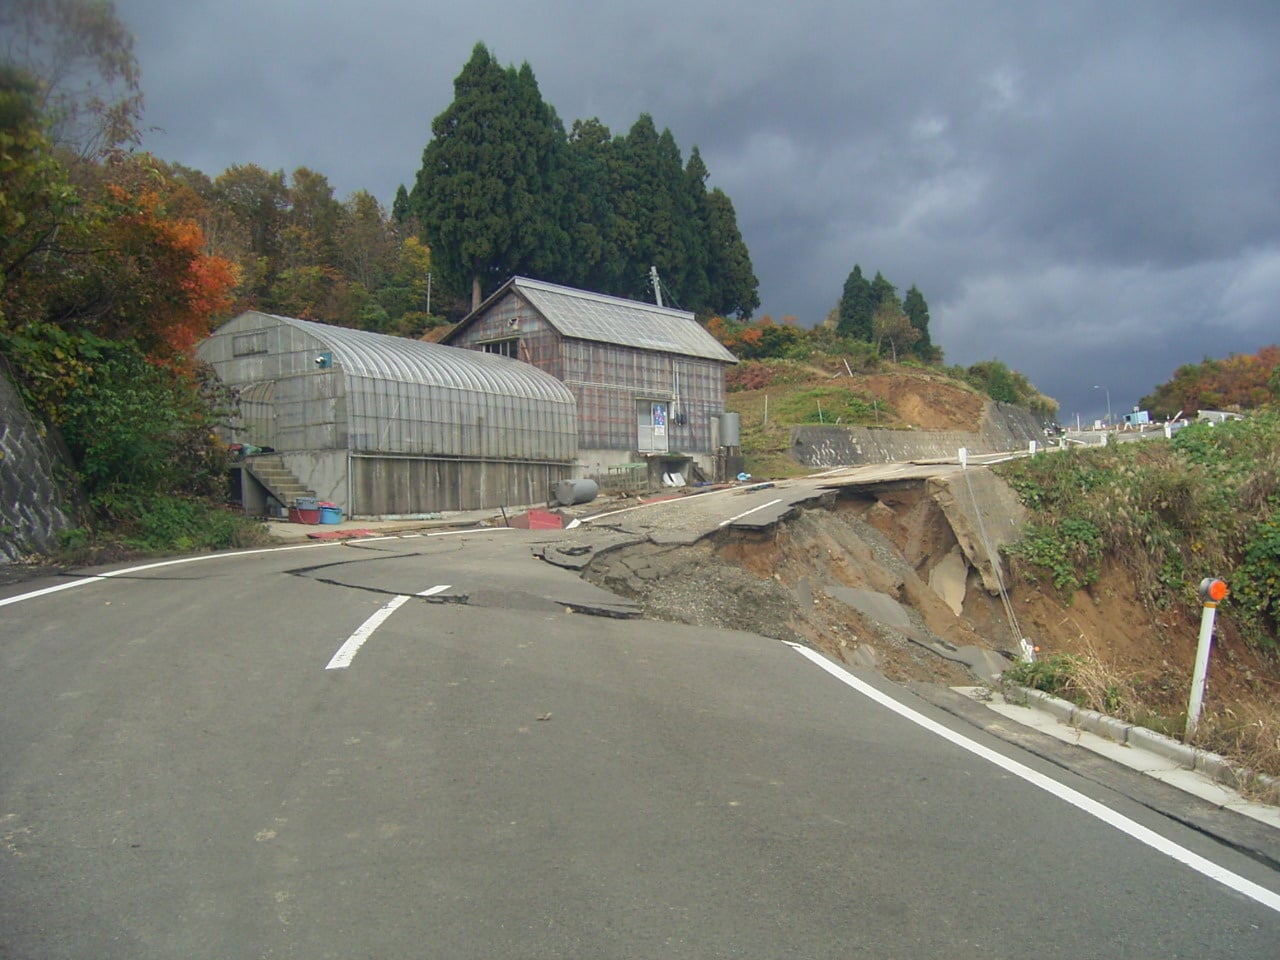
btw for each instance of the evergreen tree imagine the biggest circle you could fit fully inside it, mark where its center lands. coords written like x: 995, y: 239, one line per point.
x: 882, y: 291
x: 591, y: 221
x: 648, y: 208
x: 917, y: 312
x: 694, y: 280
x: 857, y: 307
x: 548, y: 251
x: 734, y: 287
x: 485, y: 193
x: 502, y: 190
x: 400, y: 210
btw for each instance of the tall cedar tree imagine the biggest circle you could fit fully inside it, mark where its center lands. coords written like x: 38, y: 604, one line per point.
x: 696, y: 281
x: 502, y: 190
x: 649, y: 190
x: 917, y: 311
x: 734, y: 287
x: 490, y: 185
x: 882, y: 291
x: 596, y: 260
x: 857, y: 307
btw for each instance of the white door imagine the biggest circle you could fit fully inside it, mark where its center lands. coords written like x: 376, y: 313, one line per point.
x: 651, y: 426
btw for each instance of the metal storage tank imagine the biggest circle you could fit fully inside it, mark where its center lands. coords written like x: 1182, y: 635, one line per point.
x: 730, y: 429
x: 390, y: 426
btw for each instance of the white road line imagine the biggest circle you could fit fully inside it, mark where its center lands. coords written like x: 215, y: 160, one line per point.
x: 656, y: 503
x: 763, y: 506
x: 96, y: 577
x: 1078, y: 800
x: 347, y: 652
x: 442, y: 533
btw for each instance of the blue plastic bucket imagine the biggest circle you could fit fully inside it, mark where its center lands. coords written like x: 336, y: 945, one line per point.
x: 330, y: 514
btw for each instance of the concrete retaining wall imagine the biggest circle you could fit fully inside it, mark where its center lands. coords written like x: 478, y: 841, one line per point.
x: 1004, y: 428
x: 34, y: 508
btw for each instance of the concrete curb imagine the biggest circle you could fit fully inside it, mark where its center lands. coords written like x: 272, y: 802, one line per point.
x: 1216, y: 767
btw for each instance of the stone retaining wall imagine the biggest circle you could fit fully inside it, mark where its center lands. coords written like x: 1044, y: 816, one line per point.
x: 33, y: 506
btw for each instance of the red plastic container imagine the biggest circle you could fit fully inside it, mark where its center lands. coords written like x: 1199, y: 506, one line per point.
x: 304, y: 516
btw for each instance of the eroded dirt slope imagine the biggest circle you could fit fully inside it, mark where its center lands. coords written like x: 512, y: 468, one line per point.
x: 795, y: 582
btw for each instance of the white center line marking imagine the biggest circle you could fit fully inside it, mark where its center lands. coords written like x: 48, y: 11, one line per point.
x: 747, y: 513
x: 347, y: 652
x: 1156, y: 841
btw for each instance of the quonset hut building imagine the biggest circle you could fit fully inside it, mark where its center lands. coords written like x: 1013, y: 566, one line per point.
x: 386, y: 426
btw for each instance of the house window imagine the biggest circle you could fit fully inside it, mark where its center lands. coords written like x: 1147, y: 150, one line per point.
x: 509, y: 347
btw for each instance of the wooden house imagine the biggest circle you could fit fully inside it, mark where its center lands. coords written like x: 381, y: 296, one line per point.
x: 649, y: 381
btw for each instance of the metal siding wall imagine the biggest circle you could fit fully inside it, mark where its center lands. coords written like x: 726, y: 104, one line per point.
x: 608, y: 380
x: 396, y: 418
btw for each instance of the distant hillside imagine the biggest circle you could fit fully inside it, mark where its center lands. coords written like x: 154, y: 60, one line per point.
x: 772, y: 396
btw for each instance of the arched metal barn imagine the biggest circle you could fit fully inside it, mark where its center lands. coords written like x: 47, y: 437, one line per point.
x: 386, y: 426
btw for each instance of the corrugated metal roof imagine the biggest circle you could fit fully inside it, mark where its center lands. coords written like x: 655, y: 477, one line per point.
x: 645, y: 326
x: 382, y: 357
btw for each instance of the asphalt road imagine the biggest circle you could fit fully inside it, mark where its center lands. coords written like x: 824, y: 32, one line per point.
x: 185, y: 772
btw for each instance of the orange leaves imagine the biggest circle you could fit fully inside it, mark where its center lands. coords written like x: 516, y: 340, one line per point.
x: 1242, y: 381
x: 166, y: 292
x: 757, y: 339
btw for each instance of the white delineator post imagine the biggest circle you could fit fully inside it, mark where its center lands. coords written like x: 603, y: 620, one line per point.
x: 1212, y: 592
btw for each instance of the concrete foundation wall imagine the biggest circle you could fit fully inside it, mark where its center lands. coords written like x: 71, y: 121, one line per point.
x: 386, y: 486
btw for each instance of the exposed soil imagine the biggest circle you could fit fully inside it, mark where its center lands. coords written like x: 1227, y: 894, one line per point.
x: 925, y: 401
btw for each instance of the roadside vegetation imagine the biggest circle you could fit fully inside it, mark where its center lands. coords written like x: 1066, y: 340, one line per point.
x: 1157, y: 517
x: 1208, y: 502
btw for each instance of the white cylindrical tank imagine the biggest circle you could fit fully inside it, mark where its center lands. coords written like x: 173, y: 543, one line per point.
x: 730, y: 429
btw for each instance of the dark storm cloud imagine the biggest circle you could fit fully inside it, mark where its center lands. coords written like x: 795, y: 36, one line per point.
x: 1087, y: 191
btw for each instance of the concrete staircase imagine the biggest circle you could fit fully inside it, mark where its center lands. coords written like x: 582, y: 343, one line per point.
x: 276, y: 478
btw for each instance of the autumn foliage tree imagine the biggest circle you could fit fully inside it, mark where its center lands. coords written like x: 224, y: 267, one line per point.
x: 151, y: 281
x: 759, y: 339
x: 104, y: 290
x: 1238, y: 382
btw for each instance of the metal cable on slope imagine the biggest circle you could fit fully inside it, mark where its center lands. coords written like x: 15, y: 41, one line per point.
x: 1027, y: 649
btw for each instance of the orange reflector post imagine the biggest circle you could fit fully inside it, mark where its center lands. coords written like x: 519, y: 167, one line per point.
x: 1213, y: 590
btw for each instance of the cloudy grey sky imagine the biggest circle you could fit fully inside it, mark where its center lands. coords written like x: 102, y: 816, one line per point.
x: 1088, y: 191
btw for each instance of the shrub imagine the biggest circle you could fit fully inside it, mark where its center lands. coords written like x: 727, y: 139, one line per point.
x: 1209, y: 502
x: 185, y: 524
x: 1055, y: 674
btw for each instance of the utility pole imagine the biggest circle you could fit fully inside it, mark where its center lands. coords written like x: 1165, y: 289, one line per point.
x: 657, y: 285
x: 1098, y: 386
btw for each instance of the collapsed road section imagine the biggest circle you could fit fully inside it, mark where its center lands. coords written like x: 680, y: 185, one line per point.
x: 892, y: 567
